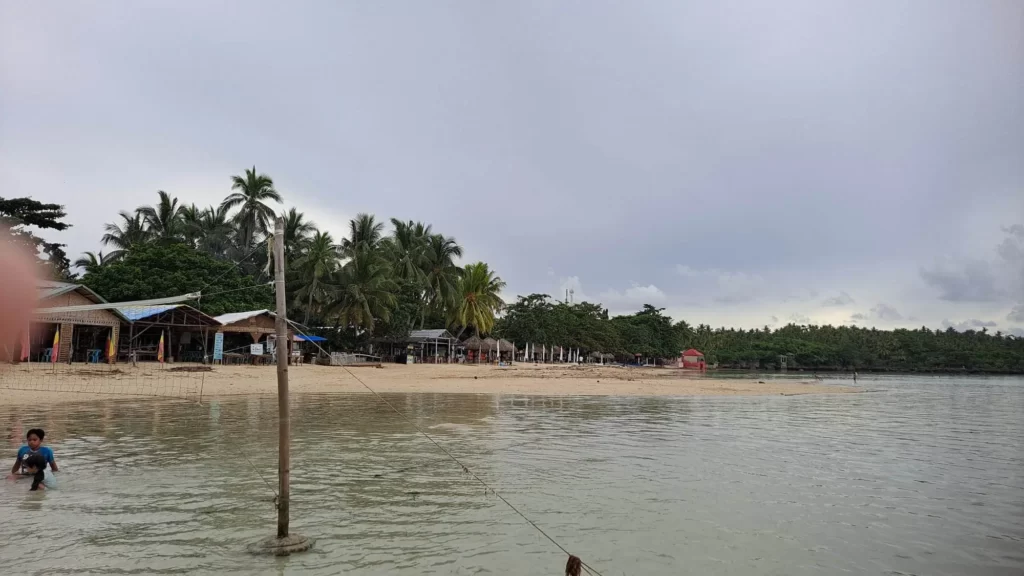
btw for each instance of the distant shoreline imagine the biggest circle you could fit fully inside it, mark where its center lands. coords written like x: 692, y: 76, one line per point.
x: 519, y: 379
x: 805, y: 371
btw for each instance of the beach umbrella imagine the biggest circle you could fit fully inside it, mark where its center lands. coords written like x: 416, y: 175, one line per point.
x: 559, y: 354
x: 544, y: 352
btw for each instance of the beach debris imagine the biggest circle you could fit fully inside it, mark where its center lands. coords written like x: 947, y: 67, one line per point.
x: 574, y: 567
x: 191, y: 369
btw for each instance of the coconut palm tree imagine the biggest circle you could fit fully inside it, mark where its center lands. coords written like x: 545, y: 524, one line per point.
x: 191, y: 224
x: 297, y: 232
x: 216, y: 232
x: 253, y: 193
x: 363, y: 292
x: 132, y: 231
x: 407, y: 248
x: 441, y: 274
x: 365, y: 235
x: 90, y: 261
x: 314, y: 269
x: 163, y: 219
x: 477, y: 298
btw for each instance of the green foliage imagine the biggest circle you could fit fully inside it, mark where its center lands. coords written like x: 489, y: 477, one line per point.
x: 852, y: 348
x: 253, y: 193
x: 535, y: 318
x: 368, y: 283
x: 160, y: 270
x: 16, y: 214
x: 477, y: 298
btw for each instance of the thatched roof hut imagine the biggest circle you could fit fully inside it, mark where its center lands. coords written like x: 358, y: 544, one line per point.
x: 506, y: 346
x: 474, y: 343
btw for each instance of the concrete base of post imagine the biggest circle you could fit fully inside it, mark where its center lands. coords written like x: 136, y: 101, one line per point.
x: 274, y: 546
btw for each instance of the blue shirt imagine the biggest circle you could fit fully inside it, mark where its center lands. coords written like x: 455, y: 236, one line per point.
x: 25, y: 452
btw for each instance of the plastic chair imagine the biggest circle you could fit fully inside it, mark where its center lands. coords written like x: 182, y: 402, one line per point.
x: 46, y: 355
x: 94, y: 356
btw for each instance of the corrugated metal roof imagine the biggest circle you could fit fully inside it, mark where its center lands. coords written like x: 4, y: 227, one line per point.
x: 429, y: 334
x: 133, y: 313
x: 236, y: 316
x: 49, y: 288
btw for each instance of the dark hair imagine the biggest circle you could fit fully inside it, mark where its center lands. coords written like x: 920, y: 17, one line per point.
x: 39, y: 463
x: 37, y: 431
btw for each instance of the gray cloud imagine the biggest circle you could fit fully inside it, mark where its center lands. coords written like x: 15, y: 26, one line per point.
x: 799, y: 319
x: 886, y: 312
x: 976, y: 280
x: 1017, y: 314
x: 723, y: 286
x: 971, y: 324
x: 858, y: 317
x: 843, y: 299
x: 972, y: 281
x: 1018, y: 332
x: 655, y: 134
x: 617, y: 301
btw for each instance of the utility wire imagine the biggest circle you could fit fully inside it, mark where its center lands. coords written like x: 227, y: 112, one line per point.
x: 587, y: 567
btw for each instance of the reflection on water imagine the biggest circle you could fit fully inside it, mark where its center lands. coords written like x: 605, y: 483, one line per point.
x: 926, y: 477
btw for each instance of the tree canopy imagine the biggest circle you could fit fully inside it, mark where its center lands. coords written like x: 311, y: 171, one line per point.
x: 161, y: 270
x: 648, y: 332
x: 17, y: 215
x: 371, y: 282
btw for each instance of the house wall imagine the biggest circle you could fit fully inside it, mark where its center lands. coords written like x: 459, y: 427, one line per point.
x: 256, y: 326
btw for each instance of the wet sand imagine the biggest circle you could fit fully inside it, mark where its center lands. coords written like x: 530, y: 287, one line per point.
x: 80, y: 382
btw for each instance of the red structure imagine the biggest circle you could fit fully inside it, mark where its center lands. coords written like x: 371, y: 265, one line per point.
x: 693, y: 359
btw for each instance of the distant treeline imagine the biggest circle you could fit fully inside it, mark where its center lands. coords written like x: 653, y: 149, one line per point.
x: 538, y: 319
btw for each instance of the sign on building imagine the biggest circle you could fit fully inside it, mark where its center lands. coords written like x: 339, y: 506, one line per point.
x: 218, y: 346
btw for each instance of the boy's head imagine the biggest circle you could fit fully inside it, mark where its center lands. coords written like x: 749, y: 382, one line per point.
x: 35, y: 438
x: 35, y: 463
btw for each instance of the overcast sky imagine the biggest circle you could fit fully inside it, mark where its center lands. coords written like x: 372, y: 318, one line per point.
x: 738, y: 163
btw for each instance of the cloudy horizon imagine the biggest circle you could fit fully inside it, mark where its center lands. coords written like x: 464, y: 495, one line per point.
x: 739, y: 165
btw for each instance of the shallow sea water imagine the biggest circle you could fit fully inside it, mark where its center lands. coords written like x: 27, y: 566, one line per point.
x: 919, y: 476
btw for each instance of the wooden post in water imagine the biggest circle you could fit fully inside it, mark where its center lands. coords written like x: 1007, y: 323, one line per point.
x: 285, y: 543
x: 283, y: 417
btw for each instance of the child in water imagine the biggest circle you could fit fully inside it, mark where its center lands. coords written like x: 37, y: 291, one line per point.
x: 34, y: 441
x: 41, y: 477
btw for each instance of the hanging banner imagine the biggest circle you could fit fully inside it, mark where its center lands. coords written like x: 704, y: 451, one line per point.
x: 160, y: 349
x: 256, y: 349
x: 56, y: 347
x: 111, y: 348
x: 218, y: 346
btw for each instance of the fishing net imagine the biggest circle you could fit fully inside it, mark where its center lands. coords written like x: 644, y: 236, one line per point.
x: 99, y: 352
x: 180, y: 380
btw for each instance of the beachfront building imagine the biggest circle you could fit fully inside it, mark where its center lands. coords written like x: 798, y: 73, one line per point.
x: 692, y: 359
x: 184, y: 329
x: 83, y: 333
x: 434, y: 346
x: 243, y: 329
